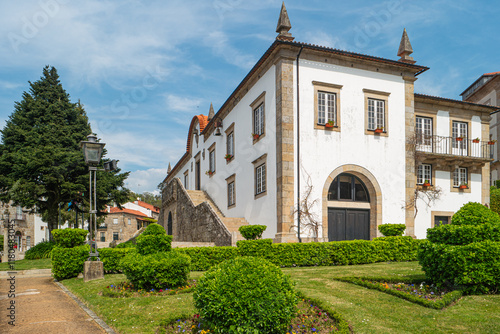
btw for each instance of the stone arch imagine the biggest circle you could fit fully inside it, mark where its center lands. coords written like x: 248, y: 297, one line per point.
x: 374, y: 192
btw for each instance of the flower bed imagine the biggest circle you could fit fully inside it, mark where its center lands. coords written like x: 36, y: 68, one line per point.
x: 309, y: 319
x: 127, y: 289
x: 415, y: 291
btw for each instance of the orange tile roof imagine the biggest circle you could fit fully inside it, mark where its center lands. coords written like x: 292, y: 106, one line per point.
x: 148, y: 206
x: 129, y: 211
x: 492, y: 73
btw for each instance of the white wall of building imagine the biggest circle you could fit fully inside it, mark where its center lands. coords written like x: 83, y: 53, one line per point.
x: 322, y: 151
x: 256, y: 211
x: 41, y: 230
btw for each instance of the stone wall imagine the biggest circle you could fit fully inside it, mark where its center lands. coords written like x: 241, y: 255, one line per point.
x: 191, y: 223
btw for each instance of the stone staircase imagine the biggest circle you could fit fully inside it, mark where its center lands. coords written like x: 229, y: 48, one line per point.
x: 232, y: 224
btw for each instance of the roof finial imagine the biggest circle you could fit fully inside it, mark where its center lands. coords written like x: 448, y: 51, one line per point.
x: 284, y: 25
x: 211, y: 113
x: 405, y: 49
x: 169, y: 168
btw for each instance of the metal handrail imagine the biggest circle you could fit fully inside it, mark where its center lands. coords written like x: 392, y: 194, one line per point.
x: 457, y: 146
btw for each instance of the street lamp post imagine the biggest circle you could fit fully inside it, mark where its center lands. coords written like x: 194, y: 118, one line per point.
x: 92, y: 151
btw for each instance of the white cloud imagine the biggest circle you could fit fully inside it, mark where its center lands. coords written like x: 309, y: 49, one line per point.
x: 144, y: 180
x: 184, y: 104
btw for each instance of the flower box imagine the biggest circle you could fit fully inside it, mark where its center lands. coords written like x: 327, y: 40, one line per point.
x: 379, y: 130
x: 255, y: 136
x: 459, y: 138
x: 463, y: 186
x: 209, y: 172
x: 475, y: 140
x: 492, y: 142
x: 329, y: 126
x: 228, y: 157
x: 426, y: 184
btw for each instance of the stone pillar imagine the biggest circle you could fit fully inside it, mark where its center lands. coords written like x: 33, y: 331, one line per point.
x: 285, y: 150
x: 93, y: 270
x: 411, y: 179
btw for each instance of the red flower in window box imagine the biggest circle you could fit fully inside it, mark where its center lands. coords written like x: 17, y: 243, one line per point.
x: 463, y: 186
x: 492, y: 142
x: 459, y: 138
x: 209, y: 172
x: 379, y: 130
x: 329, y: 125
x: 475, y: 140
x: 255, y: 136
x: 426, y: 183
x: 228, y: 157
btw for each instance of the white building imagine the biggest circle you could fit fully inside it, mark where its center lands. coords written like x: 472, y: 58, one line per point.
x: 344, y: 127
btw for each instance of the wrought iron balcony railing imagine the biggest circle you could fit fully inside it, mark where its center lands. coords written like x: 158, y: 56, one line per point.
x: 455, y: 146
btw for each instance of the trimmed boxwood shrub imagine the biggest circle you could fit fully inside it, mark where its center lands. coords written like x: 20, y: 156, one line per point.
x: 156, y: 271
x: 252, y: 232
x: 392, y: 230
x: 111, y: 258
x: 68, y: 262
x: 246, y: 295
x: 463, y: 234
x: 126, y: 244
x: 69, y: 237
x: 202, y: 258
x: 474, y: 214
x: 473, y: 268
x: 154, y: 229
x: 42, y: 250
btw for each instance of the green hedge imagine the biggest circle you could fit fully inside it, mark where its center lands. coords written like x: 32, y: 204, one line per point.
x: 68, y: 262
x: 69, y: 237
x: 202, y: 258
x: 156, y: 271
x: 42, y: 250
x: 473, y: 268
x: 309, y: 254
x: 463, y: 234
x: 111, y: 258
x: 151, y: 244
x: 392, y: 230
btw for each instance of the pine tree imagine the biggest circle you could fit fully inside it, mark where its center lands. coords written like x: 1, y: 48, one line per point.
x: 41, y: 163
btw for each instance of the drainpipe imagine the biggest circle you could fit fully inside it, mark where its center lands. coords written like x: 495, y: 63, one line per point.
x: 298, y: 147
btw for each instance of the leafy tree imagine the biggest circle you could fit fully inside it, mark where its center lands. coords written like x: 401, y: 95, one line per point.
x: 147, y: 197
x: 41, y: 164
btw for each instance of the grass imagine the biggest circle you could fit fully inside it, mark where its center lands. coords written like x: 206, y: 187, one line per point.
x: 367, y: 311
x: 27, y: 264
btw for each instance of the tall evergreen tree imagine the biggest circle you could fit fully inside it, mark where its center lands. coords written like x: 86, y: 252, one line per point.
x: 41, y: 163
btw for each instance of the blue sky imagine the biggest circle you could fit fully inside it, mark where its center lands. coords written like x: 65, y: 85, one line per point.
x: 143, y: 69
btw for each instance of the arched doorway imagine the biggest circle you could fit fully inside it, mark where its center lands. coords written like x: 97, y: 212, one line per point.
x: 169, y: 224
x: 352, y: 204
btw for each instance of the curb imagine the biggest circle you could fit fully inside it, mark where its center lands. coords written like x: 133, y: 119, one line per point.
x: 94, y: 316
x: 27, y: 273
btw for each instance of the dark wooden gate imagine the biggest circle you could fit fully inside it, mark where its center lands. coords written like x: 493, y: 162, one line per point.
x: 348, y: 224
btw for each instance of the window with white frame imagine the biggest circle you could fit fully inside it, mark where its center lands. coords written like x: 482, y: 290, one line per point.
x: 260, y: 179
x: 28, y: 242
x: 115, y: 236
x: 423, y: 129
x: 258, y: 125
x: 327, y: 108
x: 459, y: 134
x: 230, y: 194
x: 460, y: 177
x: 130, y: 221
x: 103, y: 237
x: 211, y: 159
x: 424, y: 174
x: 115, y: 220
x: 230, y: 146
x: 376, y: 114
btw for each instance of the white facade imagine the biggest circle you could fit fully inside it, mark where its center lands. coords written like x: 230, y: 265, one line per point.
x: 373, y: 111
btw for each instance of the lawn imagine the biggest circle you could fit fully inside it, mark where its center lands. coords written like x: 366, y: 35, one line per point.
x: 368, y: 311
x: 28, y: 264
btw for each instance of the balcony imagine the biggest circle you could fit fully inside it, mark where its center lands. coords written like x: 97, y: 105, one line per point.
x: 19, y: 216
x: 453, y: 151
